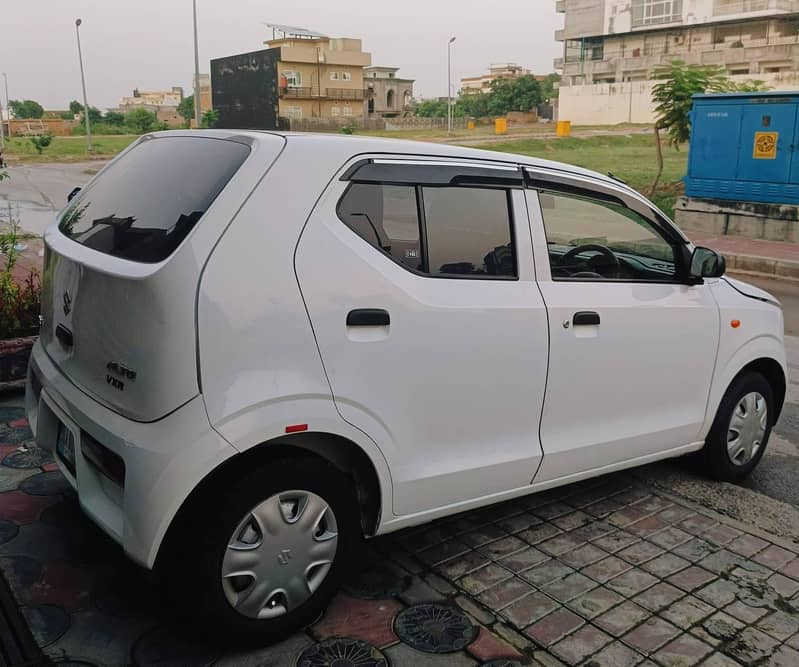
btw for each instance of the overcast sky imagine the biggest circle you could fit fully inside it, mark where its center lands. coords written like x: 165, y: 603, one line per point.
x: 148, y: 43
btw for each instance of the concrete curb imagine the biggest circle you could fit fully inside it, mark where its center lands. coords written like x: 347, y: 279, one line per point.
x: 767, y: 267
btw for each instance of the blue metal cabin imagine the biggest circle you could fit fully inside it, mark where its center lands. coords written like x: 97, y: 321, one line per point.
x: 745, y: 147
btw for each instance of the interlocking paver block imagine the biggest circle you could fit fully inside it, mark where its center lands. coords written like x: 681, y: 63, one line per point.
x: 720, y: 660
x: 626, y: 516
x: 632, y: 495
x: 685, y: 651
x: 543, y: 574
x: 659, y: 596
x: 484, y: 578
x: 442, y: 552
x: 572, y: 520
x: 774, y: 557
x: 617, y: 541
x: 784, y: 656
x: 665, y: 565
x: 632, y: 582
x: 721, y: 561
x: 619, y: 620
x: 640, y: 553
x: 583, y: 556
x: 750, y: 646
x: 503, y: 547
x: 617, y: 655
x: 744, y: 612
x: 554, y: 627
x: 504, y: 593
x: 779, y: 625
x: 719, y: 593
x: 783, y: 586
x: 518, y: 522
x: 569, y: 587
x: 651, y: 635
x: 675, y: 514
x: 687, y: 612
x: 722, y: 626
x: 578, y: 646
x: 747, y: 545
x: 539, y: 533
x: 487, y: 646
x: 691, y: 578
x: 697, y: 524
x: 523, y: 560
x: 561, y: 544
x: 465, y: 564
x: 368, y: 620
x: 791, y: 569
x: 695, y: 550
x: 529, y: 609
x: 606, y: 569
x: 721, y: 535
x: 648, y: 526
x: 603, y: 508
x: 593, y: 531
x: 670, y: 537
x: 595, y: 602
x: 484, y: 535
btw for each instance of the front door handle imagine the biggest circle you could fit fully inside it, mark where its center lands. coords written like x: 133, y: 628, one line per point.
x: 368, y: 317
x: 586, y: 318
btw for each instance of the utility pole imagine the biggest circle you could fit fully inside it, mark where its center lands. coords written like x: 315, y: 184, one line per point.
x: 449, y: 86
x: 83, y: 84
x: 196, y: 70
x: 2, y: 132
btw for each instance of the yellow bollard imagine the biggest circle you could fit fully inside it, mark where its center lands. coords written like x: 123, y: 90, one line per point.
x: 564, y: 128
x: 501, y: 125
x: 470, y: 125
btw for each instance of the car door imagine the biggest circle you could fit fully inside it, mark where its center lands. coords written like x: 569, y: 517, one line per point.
x: 418, y: 279
x: 632, y: 345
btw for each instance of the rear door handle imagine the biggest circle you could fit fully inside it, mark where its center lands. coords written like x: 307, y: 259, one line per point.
x: 368, y: 317
x: 586, y: 318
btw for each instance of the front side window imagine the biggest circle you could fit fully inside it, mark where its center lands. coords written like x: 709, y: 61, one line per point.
x: 293, y: 79
x: 591, y: 239
x: 653, y: 12
x: 438, y: 231
x: 148, y: 201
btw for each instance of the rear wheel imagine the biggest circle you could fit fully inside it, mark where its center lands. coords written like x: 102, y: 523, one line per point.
x: 267, y: 561
x: 740, y: 432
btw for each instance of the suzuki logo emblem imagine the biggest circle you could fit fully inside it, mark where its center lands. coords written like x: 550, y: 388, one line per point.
x: 284, y: 556
x: 67, y: 303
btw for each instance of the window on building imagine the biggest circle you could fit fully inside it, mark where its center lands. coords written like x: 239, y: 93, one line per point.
x: 346, y: 76
x: 292, y: 111
x: 293, y: 79
x: 725, y: 7
x: 334, y: 76
x: 335, y: 111
x: 468, y: 230
x: 653, y: 12
x: 347, y: 110
x: 580, y: 50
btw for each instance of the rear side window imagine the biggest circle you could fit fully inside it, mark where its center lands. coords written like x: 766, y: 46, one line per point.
x: 440, y: 231
x: 147, y: 202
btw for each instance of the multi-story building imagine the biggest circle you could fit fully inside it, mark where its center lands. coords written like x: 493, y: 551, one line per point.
x: 301, y: 75
x: 387, y: 95
x: 612, y: 47
x: 163, y: 103
x: 482, y: 83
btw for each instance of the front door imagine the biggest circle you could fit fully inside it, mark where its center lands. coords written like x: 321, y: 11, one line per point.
x: 632, y: 349
x: 431, y: 328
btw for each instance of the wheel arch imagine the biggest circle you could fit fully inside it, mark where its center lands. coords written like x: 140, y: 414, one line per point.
x: 344, y: 454
x: 770, y: 369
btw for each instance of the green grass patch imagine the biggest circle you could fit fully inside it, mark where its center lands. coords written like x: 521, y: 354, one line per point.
x: 67, y: 149
x: 631, y: 158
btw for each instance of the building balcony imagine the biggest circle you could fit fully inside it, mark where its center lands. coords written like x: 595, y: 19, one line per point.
x: 560, y: 6
x: 557, y: 63
x: 560, y: 35
x: 733, y: 7
x: 312, y: 93
x: 345, y: 93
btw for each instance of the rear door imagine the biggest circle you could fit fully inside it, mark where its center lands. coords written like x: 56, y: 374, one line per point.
x: 418, y: 278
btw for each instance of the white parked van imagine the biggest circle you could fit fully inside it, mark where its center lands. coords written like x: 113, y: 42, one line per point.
x: 257, y: 348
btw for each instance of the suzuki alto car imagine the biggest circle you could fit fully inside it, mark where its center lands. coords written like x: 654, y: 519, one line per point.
x: 258, y: 348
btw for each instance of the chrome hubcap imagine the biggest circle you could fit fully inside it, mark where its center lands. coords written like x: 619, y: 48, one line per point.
x: 747, y: 428
x: 279, y: 554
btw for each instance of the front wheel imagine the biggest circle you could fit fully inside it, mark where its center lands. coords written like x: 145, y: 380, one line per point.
x: 267, y: 561
x: 740, y: 432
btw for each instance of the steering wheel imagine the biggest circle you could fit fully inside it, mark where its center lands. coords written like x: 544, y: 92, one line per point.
x: 571, y: 256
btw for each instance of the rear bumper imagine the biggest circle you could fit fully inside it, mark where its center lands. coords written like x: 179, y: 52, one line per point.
x: 164, y: 460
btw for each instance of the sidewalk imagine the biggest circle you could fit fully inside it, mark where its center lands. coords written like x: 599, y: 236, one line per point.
x: 745, y: 255
x: 606, y: 573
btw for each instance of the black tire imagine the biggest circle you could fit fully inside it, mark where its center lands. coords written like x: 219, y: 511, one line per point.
x: 193, y: 576
x: 715, y: 458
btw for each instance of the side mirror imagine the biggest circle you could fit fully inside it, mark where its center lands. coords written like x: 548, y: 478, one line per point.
x: 707, y: 263
x: 72, y: 194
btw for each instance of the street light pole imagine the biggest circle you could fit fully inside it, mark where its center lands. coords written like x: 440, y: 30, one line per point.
x: 196, y: 70
x: 83, y: 85
x: 449, y: 86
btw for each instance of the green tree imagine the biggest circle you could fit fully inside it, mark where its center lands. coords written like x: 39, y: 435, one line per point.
x: 472, y: 104
x: 673, y: 99
x: 67, y: 115
x: 75, y: 107
x: 433, y: 108
x: 548, y: 90
x: 113, y: 118
x: 26, y: 109
x: 140, y: 120
x: 210, y: 118
x: 186, y: 108
x: 95, y: 116
x: 41, y: 142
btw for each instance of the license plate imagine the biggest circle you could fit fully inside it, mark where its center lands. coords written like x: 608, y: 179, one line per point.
x: 65, y: 447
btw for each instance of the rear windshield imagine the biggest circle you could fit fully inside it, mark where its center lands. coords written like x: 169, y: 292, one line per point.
x: 148, y: 201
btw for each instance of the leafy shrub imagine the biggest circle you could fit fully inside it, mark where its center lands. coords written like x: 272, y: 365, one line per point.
x: 348, y: 130
x: 20, y: 305
x: 41, y: 141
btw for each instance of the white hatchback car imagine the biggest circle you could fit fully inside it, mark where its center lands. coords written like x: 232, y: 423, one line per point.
x: 257, y: 348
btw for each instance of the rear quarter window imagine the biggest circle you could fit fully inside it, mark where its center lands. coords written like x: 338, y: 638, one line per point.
x: 147, y: 202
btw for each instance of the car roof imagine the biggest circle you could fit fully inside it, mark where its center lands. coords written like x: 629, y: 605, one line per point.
x: 352, y: 145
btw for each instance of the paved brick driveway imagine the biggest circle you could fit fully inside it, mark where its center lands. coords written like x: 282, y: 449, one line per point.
x: 604, y: 573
